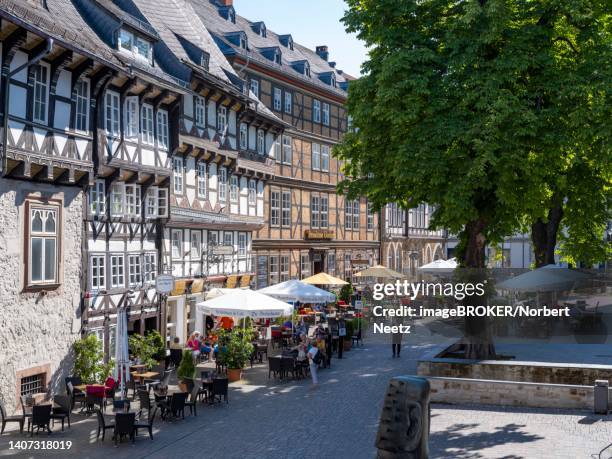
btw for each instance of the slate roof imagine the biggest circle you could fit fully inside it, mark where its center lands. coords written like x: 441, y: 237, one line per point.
x: 219, y: 27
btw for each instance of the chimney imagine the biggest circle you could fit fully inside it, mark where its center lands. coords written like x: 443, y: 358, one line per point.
x: 323, y: 52
x: 226, y: 2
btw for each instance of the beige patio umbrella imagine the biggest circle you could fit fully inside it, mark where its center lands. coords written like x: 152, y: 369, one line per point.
x: 380, y: 271
x: 324, y: 279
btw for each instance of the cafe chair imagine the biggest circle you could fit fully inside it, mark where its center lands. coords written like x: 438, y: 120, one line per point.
x: 102, y: 425
x: 193, y: 400
x: 124, y: 427
x: 219, y: 390
x: 146, y: 425
x: 20, y: 419
x: 74, y: 394
x: 41, y: 419
x: 62, y: 410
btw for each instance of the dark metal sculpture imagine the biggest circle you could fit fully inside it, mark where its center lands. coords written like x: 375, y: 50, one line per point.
x: 403, y: 432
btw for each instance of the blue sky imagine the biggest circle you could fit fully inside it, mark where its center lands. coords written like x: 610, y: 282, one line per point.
x: 311, y: 23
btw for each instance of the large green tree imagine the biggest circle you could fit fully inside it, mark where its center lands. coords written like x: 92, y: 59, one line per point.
x: 454, y: 109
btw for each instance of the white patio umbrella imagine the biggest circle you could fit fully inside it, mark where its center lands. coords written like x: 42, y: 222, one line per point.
x: 245, y: 303
x: 294, y: 290
x: 122, y: 353
x: 545, y: 279
x: 380, y: 271
x: 439, y: 267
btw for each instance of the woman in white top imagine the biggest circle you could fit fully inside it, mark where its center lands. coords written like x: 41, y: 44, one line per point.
x: 312, y: 355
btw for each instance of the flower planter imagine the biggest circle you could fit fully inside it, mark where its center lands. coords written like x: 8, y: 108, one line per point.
x: 234, y: 374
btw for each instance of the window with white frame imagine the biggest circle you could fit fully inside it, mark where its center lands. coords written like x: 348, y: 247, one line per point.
x: 273, y: 269
x: 355, y: 214
x: 325, y: 114
x: 234, y: 188
x: 316, y: 156
x: 369, y: 217
x: 200, y: 111
x: 331, y: 263
x: 132, y: 200
x: 163, y: 139
x: 148, y: 133
x: 117, y: 197
x: 134, y: 273
x: 202, y: 176
x: 325, y: 158
x: 213, y: 238
x: 277, y: 148
x: 253, y: 191
x: 261, y: 142
x: 348, y: 272
x: 131, y: 117
x: 278, y: 95
x: 117, y: 270
x: 351, y: 214
x: 223, y: 184
x: 177, y: 174
x: 41, y: 92
x: 284, y: 268
x: 305, y: 265
x: 43, y: 244
x: 196, y: 245
x: 81, y: 105
x: 275, y: 208
x: 255, y: 87
x: 98, y: 272
x: 286, y: 209
x: 242, y: 244
x: 135, y: 45
x: 177, y: 244
x: 244, y: 136
x: 97, y: 198
x: 315, y: 211
x: 288, y: 102
x: 156, y: 202
x: 324, y: 211
x: 150, y: 267
x: 111, y: 113
x: 222, y: 119
x: 316, y: 111
x: 287, y: 149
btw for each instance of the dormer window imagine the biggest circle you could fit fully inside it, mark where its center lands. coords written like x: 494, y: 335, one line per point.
x: 244, y: 43
x: 228, y: 13
x: 302, y: 67
x: 307, y: 69
x: 231, y: 15
x: 274, y: 54
x: 333, y: 80
x: 260, y: 29
x: 277, y: 58
x: 286, y: 41
x: 205, y: 60
x: 137, y: 46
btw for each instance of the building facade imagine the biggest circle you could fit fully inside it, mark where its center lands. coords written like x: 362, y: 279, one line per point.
x: 308, y: 227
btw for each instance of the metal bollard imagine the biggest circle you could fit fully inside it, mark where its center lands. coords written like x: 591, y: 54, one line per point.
x: 403, y: 431
x: 600, y: 396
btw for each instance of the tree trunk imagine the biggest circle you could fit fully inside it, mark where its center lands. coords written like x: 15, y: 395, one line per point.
x: 477, y: 341
x: 544, y: 235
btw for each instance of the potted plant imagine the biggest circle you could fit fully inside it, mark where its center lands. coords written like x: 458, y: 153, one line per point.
x: 350, y: 331
x: 89, y: 360
x: 158, y: 345
x: 236, y: 352
x: 186, y: 370
x: 141, y: 348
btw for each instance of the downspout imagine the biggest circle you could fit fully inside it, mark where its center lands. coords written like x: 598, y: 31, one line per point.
x: 7, y: 88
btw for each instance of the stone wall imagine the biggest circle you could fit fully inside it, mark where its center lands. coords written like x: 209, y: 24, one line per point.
x: 37, y: 328
x: 510, y: 393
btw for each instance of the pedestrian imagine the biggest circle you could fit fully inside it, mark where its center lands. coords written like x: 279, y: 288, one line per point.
x: 396, y: 340
x: 314, y: 358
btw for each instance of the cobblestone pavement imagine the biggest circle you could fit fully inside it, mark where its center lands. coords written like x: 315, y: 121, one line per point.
x: 266, y: 419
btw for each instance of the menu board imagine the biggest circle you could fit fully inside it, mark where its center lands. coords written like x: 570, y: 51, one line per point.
x: 262, y: 271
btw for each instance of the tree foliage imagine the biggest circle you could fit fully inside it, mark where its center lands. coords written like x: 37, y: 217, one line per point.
x: 89, y: 360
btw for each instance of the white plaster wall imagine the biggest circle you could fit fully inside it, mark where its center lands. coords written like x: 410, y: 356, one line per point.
x: 37, y: 329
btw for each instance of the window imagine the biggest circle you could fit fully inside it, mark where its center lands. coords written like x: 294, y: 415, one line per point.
x: 111, y: 116
x: 97, y: 198
x: 41, y: 92
x: 284, y: 268
x: 98, y: 272
x: 324, y: 211
x: 222, y: 184
x: 244, y: 136
x: 316, y: 111
x: 201, y: 179
x: 162, y: 129
x: 316, y: 156
x: 222, y: 119
x: 278, y: 58
x: 325, y: 158
x: 287, y: 149
x: 177, y: 244
x: 261, y: 141
x: 117, y: 263
x: 348, y: 273
x: 242, y: 244
x: 273, y: 269
x: 255, y: 87
x: 126, y: 40
x: 356, y: 214
x: 132, y: 200
x: 196, y: 245
x: 286, y: 209
x: 288, y: 102
x: 228, y: 238
x: 277, y: 148
x: 244, y: 42
x: 156, y: 202
x: 305, y: 265
x: 34, y: 384
x: 315, y: 211
x: 117, y: 200
x: 81, y: 103
x: 252, y: 191
x: 331, y: 263
x: 351, y: 214
x: 178, y: 174
x: 135, y: 45
x: 213, y: 238
x: 326, y: 114
x: 234, y: 188
x: 150, y: 267
x: 134, y: 274
x: 200, y: 111
x: 131, y: 117
x: 274, y: 208
x: 148, y: 134
x: 277, y: 99
x: 370, y: 217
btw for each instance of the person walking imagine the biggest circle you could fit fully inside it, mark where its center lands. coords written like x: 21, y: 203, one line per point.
x: 314, y: 359
x: 396, y: 340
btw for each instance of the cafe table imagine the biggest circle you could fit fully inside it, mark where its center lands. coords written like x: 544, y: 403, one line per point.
x: 138, y: 366
x: 145, y: 375
x: 83, y: 387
